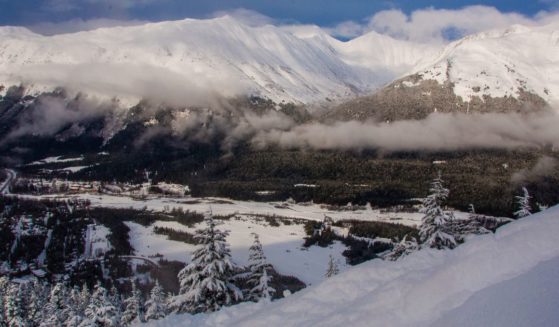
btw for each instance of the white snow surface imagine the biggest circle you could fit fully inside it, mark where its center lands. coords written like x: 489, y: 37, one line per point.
x: 224, y: 207
x: 505, y: 279
x: 283, y: 246
x: 54, y: 160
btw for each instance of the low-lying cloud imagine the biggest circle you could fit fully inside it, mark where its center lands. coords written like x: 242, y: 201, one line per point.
x: 436, y: 132
x: 132, y: 81
x: 542, y: 168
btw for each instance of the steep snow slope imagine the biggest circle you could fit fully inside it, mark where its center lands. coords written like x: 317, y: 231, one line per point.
x: 379, y: 52
x: 221, y: 55
x: 427, y: 288
x: 501, y: 63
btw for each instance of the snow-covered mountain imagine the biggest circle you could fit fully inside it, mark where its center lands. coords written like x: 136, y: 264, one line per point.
x: 299, y: 64
x: 505, y: 279
x: 510, y: 70
x: 186, y: 61
x: 501, y: 63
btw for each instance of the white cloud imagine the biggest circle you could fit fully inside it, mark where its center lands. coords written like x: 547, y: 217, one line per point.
x: 431, y: 25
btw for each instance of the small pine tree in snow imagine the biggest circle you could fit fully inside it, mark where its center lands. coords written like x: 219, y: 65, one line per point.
x: 434, y: 231
x: 116, y: 300
x: 100, y: 311
x: 133, y: 313
x: 259, y: 279
x: 75, y: 314
x: 84, y: 299
x: 56, y: 310
x: 206, y: 282
x: 37, y: 300
x: 523, y: 202
x: 332, y: 269
x: 14, y: 306
x: 155, y: 305
x: 403, y: 248
x: 4, y: 284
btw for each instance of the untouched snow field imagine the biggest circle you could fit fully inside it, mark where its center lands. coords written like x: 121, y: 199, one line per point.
x: 283, y: 246
x: 223, y: 207
x: 505, y: 279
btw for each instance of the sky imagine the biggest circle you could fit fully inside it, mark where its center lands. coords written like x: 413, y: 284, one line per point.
x: 435, y: 21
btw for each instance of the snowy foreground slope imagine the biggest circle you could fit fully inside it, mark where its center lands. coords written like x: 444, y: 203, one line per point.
x: 505, y: 279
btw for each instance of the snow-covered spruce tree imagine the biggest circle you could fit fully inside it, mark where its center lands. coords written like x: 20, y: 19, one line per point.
x: 206, y: 282
x: 56, y: 310
x: 155, y: 305
x: 259, y: 274
x: 406, y: 246
x: 523, y: 203
x: 116, y: 300
x: 4, y: 283
x: 37, y: 300
x: 133, y: 312
x: 332, y: 269
x: 100, y: 311
x: 434, y: 230
x: 75, y: 314
x: 14, y: 306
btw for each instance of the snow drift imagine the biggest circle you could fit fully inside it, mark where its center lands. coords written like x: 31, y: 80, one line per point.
x: 505, y: 279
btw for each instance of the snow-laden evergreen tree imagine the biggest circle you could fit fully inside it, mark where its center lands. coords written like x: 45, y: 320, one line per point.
x: 206, y: 282
x: 155, y: 305
x: 434, y: 230
x: 75, y: 312
x: 523, y: 203
x: 56, y: 310
x: 259, y: 273
x: 84, y: 299
x: 4, y: 286
x: 14, y: 306
x: 100, y: 311
x: 332, y: 268
x: 115, y: 299
x: 133, y: 312
x: 37, y: 300
x: 405, y: 247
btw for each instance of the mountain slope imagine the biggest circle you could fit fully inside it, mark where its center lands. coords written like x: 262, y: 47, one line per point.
x: 219, y: 55
x: 427, y: 288
x: 511, y: 70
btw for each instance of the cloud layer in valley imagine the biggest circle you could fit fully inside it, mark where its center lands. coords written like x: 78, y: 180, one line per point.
x: 436, y: 132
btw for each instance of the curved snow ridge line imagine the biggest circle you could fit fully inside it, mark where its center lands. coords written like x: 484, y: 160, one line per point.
x: 414, y: 291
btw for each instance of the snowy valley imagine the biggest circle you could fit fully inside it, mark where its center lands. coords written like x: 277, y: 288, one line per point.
x: 234, y: 169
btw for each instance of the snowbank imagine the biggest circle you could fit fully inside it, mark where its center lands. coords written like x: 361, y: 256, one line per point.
x: 440, y: 288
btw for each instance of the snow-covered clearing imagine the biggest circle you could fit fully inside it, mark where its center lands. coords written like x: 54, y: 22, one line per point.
x: 283, y: 246
x: 225, y: 207
x: 54, y: 160
x: 504, y: 279
x: 148, y: 244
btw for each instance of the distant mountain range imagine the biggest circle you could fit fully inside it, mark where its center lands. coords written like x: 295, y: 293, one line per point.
x: 176, y: 61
